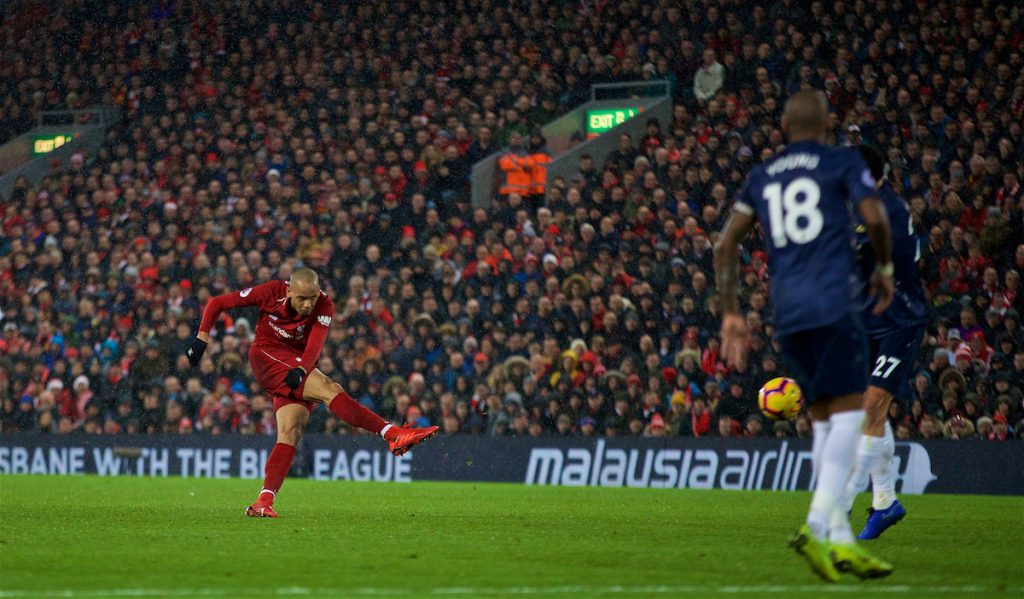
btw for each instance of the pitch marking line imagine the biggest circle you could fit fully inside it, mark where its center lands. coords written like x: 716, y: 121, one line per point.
x: 552, y: 590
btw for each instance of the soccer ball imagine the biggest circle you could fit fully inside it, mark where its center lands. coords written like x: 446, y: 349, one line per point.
x: 780, y: 398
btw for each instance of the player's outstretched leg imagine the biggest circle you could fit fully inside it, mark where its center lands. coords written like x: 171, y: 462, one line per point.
x: 836, y: 461
x: 886, y: 510
x: 400, y: 440
x: 291, y: 421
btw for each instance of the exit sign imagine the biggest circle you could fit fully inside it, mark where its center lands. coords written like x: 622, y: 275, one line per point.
x: 44, y: 144
x: 604, y: 119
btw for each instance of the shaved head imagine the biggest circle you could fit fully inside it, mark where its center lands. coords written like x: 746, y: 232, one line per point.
x: 806, y: 116
x: 304, y: 290
x: 305, y: 277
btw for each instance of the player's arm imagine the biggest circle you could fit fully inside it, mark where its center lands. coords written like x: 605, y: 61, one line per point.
x: 324, y: 313
x: 876, y: 221
x: 861, y: 185
x: 735, y: 335
x: 322, y: 316
x: 251, y: 296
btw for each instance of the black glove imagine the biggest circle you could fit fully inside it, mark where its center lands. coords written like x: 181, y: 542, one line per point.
x: 294, y: 378
x: 195, y: 351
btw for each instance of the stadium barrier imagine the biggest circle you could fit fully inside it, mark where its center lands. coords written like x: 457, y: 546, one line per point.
x: 768, y: 464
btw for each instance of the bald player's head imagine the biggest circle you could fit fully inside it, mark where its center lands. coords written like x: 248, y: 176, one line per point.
x: 305, y: 276
x: 304, y: 290
x: 806, y: 116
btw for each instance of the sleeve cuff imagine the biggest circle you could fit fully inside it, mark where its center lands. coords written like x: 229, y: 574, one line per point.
x: 743, y: 208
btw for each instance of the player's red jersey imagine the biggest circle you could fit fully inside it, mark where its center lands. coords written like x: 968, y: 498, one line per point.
x: 279, y: 326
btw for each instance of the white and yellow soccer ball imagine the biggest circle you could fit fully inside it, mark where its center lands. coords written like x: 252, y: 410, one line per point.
x: 780, y: 399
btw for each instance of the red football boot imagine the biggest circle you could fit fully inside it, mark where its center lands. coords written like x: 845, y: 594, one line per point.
x: 261, y: 510
x: 401, y: 440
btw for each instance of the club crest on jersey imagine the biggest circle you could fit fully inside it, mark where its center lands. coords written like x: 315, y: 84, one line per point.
x: 245, y: 292
x: 324, y: 320
x: 300, y: 328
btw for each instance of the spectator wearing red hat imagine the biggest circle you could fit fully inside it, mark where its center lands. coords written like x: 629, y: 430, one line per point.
x: 1000, y: 428
x: 668, y: 374
x: 481, y: 365
x: 591, y: 367
x: 657, y: 427
x: 758, y: 264
x: 981, y: 351
x: 964, y: 359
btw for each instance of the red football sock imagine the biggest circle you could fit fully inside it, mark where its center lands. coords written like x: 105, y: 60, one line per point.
x: 278, y: 464
x: 356, y: 414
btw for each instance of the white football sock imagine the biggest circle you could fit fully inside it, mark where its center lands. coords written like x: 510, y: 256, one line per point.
x: 867, y: 454
x: 837, y: 457
x: 820, y: 429
x: 883, y: 475
x: 385, y: 430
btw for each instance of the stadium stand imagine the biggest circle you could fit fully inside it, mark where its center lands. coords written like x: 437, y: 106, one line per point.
x: 340, y: 136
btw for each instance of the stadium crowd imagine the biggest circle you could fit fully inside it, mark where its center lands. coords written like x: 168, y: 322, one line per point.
x: 340, y: 136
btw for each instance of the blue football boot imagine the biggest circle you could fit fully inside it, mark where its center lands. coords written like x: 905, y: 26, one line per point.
x: 880, y: 520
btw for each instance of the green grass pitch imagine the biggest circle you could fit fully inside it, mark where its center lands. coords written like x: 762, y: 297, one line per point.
x: 141, y: 537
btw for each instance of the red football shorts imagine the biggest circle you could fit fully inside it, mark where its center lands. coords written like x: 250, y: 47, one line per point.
x: 270, y: 365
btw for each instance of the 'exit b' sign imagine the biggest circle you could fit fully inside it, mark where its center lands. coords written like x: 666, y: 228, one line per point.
x: 605, y: 119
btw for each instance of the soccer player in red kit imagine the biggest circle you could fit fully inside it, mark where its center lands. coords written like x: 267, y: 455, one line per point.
x: 290, y: 334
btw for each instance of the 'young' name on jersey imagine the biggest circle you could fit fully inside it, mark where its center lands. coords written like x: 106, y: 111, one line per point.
x: 804, y: 200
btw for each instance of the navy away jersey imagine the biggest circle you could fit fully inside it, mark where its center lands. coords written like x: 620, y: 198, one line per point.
x: 909, y: 308
x: 804, y: 199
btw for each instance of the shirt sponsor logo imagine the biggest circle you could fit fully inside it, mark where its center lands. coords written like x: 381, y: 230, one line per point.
x: 271, y: 317
x: 324, y: 319
x: 280, y: 331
